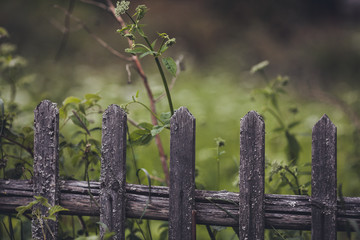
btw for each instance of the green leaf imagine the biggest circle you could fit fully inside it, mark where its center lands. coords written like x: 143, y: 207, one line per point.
x: 109, y: 235
x: 123, y: 29
x: 165, y: 117
x: 82, y: 108
x: 140, y: 137
x: 136, y: 50
x: 43, y: 201
x: 81, y: 121
x: 163, y: 48
x: 147, y: 53
x: 92, y: 97
x: 145, y: 125
x: 141, y: 32
x: 259, y: 66
x: 96, y: 143
x: 3, y: 32
x: 25, y: 208
x: 56, y: 209
x: 170, y: 65
x: 293, y: 147
x: 153, y: 43
x: 52, y: 218
x: 156, y: 130
x: 71, y: 99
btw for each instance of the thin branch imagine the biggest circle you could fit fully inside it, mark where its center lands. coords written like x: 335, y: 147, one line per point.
x: 81, y: 122
x: 66, y: 30
x: 29, y: 150
x: 134, y: 123
x: 139, y: 69
x: 97, y: 4
x: 83, y: 225
x: 94, y: 36
x: 111, y: 8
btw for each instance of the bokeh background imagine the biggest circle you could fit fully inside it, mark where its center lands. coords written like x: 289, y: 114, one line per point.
x: 315, y: 43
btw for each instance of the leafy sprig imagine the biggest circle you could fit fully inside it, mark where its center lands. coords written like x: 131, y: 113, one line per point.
x: 148, y: 48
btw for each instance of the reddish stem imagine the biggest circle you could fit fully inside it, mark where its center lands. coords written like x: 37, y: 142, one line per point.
x: 154, y: 121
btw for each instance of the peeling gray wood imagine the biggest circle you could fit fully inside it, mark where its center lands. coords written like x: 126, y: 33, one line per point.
x: 281, y: 211
x: 182, y: 175
x: 323, y: 182
x: 46, y: 170
x: 113, y: 171
x: 252, y: 172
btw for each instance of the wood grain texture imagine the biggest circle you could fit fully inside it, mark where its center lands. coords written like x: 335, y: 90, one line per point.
x: 281, y: 211
x: 46, y: 157
x: 252, y: 174
x: 323, y: 180
x: 113, y: 171
x: 182, y: 175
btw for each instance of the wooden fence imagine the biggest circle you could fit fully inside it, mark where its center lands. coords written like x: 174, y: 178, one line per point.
x: 250, y: 211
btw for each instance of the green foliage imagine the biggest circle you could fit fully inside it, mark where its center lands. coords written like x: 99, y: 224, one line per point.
x: 220, y: 143
x: 16, y: 144
x: 170, y: 65
x: 148, y: 48
x: 146, y: 131
x: 283, y: 174
x: 37, y: 214
x: 84, y: 146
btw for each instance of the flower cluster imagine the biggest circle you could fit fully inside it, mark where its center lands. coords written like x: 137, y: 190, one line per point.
x: 121, y: 7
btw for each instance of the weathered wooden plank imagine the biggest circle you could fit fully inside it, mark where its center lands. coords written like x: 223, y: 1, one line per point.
x: 252, y: 174
x: 323, y: 182
x: 113, y: 171
x: 46, y: 169
x: 182, y: 175
x: 281, y: 211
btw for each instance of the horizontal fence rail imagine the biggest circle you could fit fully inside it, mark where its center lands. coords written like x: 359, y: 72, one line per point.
x: 281, y: 211
x: 250, y: 211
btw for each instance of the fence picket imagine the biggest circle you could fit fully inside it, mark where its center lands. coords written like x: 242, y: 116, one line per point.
x: 323, y: 182
x: 46, y: 169
x: 252, y: 172
x: 113, y: 171
x: 182, y: 176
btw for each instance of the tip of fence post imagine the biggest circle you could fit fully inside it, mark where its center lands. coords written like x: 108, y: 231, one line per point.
x: 114, y: 108
x: 253, y: 115
x: 47, y: 104
x: 183, y: 111
x: 324, y: 120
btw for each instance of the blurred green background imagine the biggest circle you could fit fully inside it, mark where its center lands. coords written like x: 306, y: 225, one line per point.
x: 315, y: 43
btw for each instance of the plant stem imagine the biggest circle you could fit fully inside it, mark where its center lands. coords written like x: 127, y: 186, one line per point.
x: 147, y: 108
x: 163, y: 78
x: 140, y: 70
x: 165, y: 85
